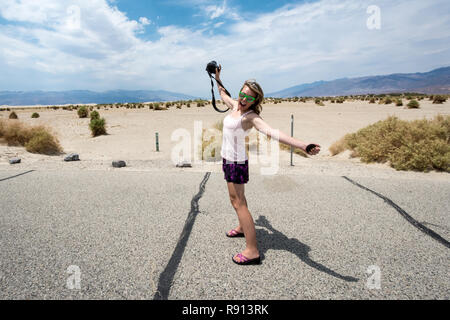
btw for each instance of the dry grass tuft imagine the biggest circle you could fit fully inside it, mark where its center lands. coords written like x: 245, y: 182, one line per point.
x: 13, y: 115
x: 339, y: 146
x: 420, y: 145
x: 37, y: 139
x: 212, y: 142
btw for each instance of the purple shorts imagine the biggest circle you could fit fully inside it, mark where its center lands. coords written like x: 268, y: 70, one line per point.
x: 234, y: 171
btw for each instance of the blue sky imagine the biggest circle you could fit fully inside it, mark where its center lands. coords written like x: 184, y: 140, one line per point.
x: 191, y: 14
x: 130, y: 44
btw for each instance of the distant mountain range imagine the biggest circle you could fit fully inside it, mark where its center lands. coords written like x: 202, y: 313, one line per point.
x: 433, y: 82
x: 16, y: 98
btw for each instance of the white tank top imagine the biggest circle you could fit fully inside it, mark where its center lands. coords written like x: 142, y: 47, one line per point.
x: 233, y: 143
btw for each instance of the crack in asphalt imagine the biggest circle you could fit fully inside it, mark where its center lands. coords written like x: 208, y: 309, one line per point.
x: 17, y: 175
x: 405, y: 215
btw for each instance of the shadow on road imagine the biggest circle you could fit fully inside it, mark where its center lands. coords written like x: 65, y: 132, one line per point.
x: 166, y: 277
x: 278, y: 241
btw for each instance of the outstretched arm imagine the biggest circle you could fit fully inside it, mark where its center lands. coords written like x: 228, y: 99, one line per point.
x: 263, y: 127
x: 230, y: 102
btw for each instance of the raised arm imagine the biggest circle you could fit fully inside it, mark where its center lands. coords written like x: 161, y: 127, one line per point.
x: 230, y: 102
x: 263, y: 127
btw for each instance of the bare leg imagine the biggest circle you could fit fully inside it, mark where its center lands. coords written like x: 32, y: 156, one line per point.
x: 246, y: 223
x: 239, y: 227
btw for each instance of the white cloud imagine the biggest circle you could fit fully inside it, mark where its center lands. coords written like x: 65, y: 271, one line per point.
x: 144, y: 21
x: 214, y: 11
x: 56, y: 46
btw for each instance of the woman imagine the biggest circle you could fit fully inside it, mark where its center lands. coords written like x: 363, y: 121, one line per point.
x: 245, y: 114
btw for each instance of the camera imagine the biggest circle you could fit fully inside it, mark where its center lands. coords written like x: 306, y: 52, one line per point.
x: 211, y: 67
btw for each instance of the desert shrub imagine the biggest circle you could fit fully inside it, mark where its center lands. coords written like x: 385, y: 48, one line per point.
x: 13, y: 115
x: 413, y: 104
x: 157, y: 106
x: 35, y: 115
x: 83, y: 112
x: 319, y: 102
x: 398, y: 102
x: 218, y: 125
x: 95, y: 115
x: 211, y: 142
x: 188, y: 105
x: 42, y: 142
x: 388, y: 101
x: 439, y: 99
x: 35, y: 139
x: 372, y: 100
x: 420, y: 145
x: 15, y: 133
x: 2, y: 128
x: 339, y: 146
x: 97, y: 126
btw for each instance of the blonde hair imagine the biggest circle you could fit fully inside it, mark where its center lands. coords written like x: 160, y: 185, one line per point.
x: 256, y: 88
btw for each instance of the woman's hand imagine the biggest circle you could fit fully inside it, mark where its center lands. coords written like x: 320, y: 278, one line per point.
x: 312, y: 149
x: 218, y: 71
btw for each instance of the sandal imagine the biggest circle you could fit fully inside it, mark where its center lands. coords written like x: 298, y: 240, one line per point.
x: 234, y: 234
x: 243, y: 260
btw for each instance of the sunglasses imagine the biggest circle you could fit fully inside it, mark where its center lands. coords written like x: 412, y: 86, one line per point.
x: 249, y: 98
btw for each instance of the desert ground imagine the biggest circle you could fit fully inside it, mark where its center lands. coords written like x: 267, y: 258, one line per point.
x: 131, y: 136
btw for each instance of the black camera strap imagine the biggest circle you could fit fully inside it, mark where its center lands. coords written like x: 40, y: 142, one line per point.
x: 212, y: 93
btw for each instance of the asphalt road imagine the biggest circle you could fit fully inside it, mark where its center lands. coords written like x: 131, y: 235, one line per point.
x: 161, y: 235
